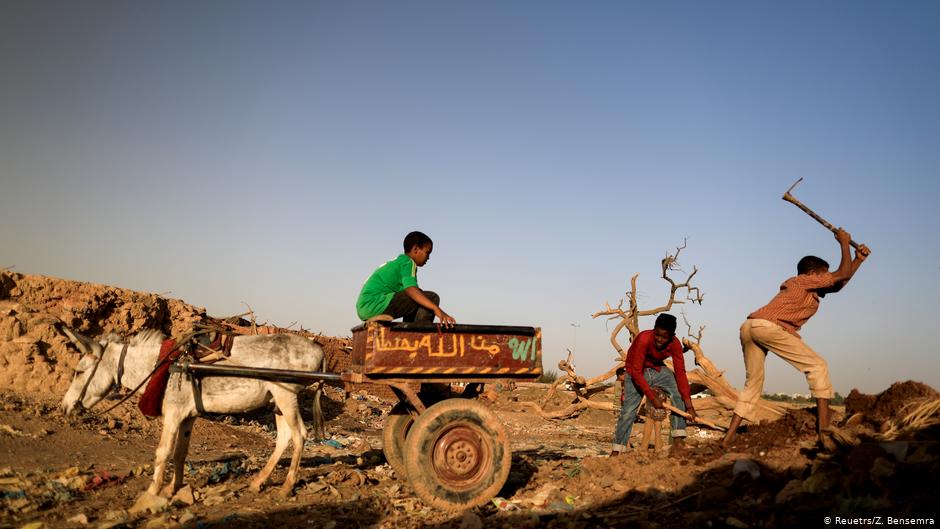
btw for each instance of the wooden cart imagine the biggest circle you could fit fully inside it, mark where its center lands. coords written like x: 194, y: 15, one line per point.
x: 453, y: 450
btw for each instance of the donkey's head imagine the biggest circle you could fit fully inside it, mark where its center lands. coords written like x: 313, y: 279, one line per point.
x: 93, y: 377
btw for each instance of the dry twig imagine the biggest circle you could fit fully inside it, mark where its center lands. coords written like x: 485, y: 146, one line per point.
x: 923, y: 414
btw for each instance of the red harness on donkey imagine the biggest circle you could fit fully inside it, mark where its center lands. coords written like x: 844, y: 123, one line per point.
x: 151, y: 402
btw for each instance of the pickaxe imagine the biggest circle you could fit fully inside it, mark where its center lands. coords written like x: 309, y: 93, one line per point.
x: 792, y: 199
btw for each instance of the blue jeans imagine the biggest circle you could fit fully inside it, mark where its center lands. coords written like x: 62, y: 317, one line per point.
x: 663, y: 378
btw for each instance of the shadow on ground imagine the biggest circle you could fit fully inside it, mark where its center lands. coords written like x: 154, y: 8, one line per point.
x: 848, y: 485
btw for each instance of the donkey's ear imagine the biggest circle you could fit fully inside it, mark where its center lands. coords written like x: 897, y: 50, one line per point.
x: 85, y: 344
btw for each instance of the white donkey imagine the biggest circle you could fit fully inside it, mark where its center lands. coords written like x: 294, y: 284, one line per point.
x: 101, y: 366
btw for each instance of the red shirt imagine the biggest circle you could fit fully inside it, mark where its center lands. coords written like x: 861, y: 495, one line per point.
x: 643, y: 354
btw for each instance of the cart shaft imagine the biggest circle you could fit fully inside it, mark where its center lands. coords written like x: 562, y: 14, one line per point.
x: 251, y: 372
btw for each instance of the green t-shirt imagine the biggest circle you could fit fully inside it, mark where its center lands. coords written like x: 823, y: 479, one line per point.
x: 387, y: 280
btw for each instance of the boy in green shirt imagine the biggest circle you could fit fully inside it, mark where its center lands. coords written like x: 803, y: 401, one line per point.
x: 393, y: 288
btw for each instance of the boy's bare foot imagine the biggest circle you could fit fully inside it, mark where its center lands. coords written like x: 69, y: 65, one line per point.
x: 614, y: 453
x: 826, y: 442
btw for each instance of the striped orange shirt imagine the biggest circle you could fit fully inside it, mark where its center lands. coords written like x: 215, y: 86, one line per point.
x: 796, y: 302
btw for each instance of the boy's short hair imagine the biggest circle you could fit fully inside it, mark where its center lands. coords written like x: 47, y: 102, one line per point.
x: 811, y: 263
x: 416, y: 238
x: 667, y: 322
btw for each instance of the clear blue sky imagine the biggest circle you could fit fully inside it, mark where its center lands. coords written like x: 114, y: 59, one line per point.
x: 276, y: 153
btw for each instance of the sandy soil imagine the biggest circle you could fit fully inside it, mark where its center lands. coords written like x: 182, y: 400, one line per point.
x: 70, y: 471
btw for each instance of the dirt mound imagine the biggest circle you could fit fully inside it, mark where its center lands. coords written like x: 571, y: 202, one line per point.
x: 877, y: 410
x: 37, y: 358
x: 96, y: 309
x: 796, y: 426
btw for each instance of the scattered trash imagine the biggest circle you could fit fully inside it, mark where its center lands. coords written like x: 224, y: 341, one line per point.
x: 102, y: 479
x: 504, y: 505
x: 227, y: 470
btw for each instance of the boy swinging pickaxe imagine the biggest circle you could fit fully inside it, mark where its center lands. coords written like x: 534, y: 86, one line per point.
x: 775, y: 327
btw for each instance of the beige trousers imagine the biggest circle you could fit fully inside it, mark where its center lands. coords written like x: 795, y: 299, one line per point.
x: 758, y: 337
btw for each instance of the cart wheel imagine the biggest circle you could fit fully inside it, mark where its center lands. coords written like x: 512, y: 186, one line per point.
x: 457, y: 455
x: 393, y: 437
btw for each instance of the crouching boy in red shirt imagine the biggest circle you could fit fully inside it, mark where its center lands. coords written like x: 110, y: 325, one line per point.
x: 646, y: 369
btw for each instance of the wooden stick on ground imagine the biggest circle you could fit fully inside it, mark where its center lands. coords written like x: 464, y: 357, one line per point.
x: 701, y: 420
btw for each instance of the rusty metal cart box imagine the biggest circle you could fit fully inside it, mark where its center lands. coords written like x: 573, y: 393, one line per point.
x: 387, y: 349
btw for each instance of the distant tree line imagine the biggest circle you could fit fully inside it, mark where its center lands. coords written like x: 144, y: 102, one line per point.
x: 837, y: 400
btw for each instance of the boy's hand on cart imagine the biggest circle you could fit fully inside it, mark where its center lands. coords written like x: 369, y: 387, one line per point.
x: 445, y: 319
x: 691, y: 411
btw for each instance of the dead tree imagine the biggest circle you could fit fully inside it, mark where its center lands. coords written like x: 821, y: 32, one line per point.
x: 628, y: 319
x: 706, y: 374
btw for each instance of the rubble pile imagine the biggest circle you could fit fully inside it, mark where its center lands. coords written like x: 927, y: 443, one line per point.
x: 36, y: 357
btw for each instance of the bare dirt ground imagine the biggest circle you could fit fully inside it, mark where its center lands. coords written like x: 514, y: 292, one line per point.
x: 72, y: 472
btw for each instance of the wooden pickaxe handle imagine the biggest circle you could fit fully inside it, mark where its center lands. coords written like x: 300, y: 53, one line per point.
x: 792, y: 199
x: 706, y: 422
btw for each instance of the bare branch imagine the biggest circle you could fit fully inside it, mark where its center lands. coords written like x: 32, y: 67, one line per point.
x: 254, y: 324
x: 697, y: 337
x: 571, y: 411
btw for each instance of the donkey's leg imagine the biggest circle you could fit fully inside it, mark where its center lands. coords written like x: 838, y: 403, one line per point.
x: 179, y: 456
x: 283, y: 437
x: 171, y: 427
x: 290, y: 408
